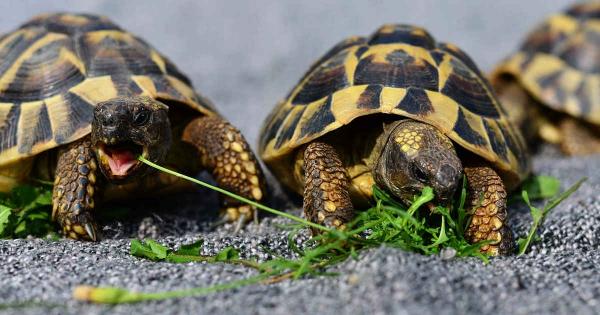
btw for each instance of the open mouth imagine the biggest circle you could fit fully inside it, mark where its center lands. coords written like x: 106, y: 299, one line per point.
x: 120, y: 160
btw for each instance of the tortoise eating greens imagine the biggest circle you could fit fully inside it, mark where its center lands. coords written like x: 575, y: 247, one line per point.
x: 401, y: 111
x: 81, y: 99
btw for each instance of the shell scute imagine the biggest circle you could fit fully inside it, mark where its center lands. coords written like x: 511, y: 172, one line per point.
x: 396, y: 68
x: 330, y: 76
x: 402, y: 33
x: 416, y: 102
x: 71, y: 24
x: 468, y: 90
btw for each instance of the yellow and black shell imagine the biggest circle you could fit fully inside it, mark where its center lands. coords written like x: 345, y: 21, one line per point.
x: 559, y: 62
x: 399, y: 70
x: 56, y: 67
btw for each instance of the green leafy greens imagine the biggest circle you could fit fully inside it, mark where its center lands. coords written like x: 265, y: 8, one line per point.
x: 387, y: 223
x: 25, y: 211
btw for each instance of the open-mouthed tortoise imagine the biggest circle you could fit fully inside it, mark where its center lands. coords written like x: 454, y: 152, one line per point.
x: 401, y: 111
x: 551, y: 86
x: 80, y: 99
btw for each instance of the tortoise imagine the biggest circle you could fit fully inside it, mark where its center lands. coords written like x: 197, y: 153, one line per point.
x: 80, y: 99
x: 402, y: 111
x: 550, y: 85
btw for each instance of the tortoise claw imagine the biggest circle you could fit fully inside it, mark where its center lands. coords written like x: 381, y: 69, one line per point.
x: 239, y: 223
x: 91, y: 232
x: 220, y: 221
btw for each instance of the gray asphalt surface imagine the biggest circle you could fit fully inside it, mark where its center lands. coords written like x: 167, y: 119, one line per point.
x: 247, y: 55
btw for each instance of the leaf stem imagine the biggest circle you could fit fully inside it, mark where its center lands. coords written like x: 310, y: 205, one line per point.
x: 113, y: 295
x: 540, y: 215
x: 234, y: 196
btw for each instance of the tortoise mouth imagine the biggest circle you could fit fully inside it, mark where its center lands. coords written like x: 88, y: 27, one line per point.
x: 119, y: 161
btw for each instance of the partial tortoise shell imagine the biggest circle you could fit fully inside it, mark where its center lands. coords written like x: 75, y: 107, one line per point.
x: 55, y: 68
x: 399, y: 70
x: 559, y: 62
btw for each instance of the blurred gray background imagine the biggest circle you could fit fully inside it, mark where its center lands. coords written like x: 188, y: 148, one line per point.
x: 246, y: 55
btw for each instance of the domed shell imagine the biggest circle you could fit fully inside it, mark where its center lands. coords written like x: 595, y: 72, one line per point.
x: 55, y: 68
x: 559, y: 62
x: 399, y: 70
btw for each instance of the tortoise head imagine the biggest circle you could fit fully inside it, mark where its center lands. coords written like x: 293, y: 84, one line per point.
x: 416, y: 155
x: 126, y: 127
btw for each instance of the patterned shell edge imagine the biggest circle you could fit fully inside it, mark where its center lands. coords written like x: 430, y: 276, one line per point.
x: 56, y: 67
x: 559, y: 62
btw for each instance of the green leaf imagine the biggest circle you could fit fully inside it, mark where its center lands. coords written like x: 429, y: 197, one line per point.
x: 31, y: 208
x: 190, y: 249
x: 5, y: 213
x: 541, y: 187
x: 227, y: 254
x: 159, y: 250
x: 139, y: 249
x: 44, y: 198
x: 442, y: 238
x: 36, y: 222
x: 24, y: 195
x: 187, y: 253
x: 522, y: 243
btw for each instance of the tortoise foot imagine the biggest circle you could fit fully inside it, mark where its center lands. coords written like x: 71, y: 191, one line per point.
x: 487, y: 206
x: 579, y: 138
x: 224, y: 151
x: 326, y: 197
x: 74, y: 190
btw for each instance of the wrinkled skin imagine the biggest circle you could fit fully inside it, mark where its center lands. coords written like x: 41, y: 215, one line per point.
x: 416, y: 155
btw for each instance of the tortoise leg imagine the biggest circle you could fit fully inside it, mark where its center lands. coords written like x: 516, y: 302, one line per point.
x: 326, y: 197
x: 579, y: 138
x: 487, y: 204
x: 75, y: 187
x: 224, y: 151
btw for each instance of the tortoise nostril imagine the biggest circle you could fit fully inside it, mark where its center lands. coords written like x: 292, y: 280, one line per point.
x: 446, y: 182
x: 109, y: 120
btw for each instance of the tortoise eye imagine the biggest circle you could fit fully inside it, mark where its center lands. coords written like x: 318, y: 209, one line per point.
x: 419, y: 174
x: 141, y: 117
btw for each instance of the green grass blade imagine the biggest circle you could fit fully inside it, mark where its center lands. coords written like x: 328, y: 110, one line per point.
x: 538, y: 215
x: 5, y: 213
x: 234, y: 196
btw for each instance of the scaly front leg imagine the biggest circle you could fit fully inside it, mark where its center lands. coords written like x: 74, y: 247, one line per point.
x: 487, y: 206
x: 326, y: 197
x: 75, y: 186
x: 224, y: 151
